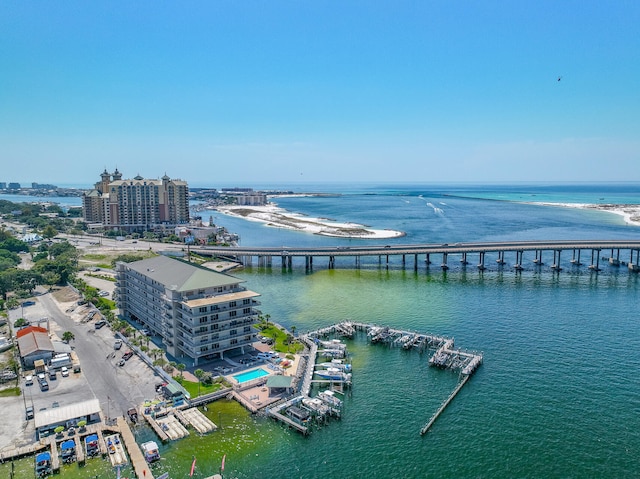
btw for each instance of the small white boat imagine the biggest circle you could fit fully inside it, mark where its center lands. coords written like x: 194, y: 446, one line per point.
x: 330, y: 398
x: 150, y: 451
x: 336, y: 363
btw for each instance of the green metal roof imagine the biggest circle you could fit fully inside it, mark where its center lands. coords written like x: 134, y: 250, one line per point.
x: 279, y: 381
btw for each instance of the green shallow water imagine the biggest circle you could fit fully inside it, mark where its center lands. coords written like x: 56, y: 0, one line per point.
x: 555, y: 397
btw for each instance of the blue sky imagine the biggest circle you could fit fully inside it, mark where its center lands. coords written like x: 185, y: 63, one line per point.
x: 254, y: 92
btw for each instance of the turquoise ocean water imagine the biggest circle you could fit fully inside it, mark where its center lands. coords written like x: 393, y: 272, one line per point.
x: 557, y: 395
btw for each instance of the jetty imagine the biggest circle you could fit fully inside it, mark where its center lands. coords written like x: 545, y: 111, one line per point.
x: 138, y: 461
x: 172, y: 427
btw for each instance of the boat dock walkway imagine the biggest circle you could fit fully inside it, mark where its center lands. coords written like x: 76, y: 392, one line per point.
x: 195, y: 418
x: 428, y: 425
x: 79, y: 449
x: 162, y: 435
x: 138, y: 461
x: 275, y: 413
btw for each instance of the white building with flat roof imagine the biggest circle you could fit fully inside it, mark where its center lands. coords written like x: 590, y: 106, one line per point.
x: 199, y: 313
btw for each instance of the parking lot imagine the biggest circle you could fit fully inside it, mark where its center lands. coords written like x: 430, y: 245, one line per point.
x: 118, y: 388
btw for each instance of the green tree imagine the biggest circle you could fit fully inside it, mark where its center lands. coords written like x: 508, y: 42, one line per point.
x: 49, y: 232
x: 68, y: 336
x: 181, y: 367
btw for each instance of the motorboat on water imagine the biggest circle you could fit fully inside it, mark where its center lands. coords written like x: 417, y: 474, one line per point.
x: 133, y: 415
x: 43, y: 464
x: 333, y: 344
x: 91, y: 445
x: 330, y: 398
x: 68, y: 451
x: 150, y: 450
x: 334, y: 374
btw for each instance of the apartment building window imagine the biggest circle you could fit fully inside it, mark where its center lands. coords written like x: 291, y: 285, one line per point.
x: 234, y: 341
x: 214, y: 326
x: 203, y: 309
x: 203, y: 319
x: 247, y: 329
x: 233, y: 314
x: 232, y: 304
x: 233, y: 332
x: 214, y: 317
x: 204, y: 348
x: 215, y: 307
x: 246, y: 301
x: 215, y: 346
x: 246, y: 311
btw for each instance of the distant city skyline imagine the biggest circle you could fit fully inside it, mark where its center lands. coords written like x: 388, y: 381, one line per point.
x: 221, y: 93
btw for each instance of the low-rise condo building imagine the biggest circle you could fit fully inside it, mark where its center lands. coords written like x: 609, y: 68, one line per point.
x: 197, y: 312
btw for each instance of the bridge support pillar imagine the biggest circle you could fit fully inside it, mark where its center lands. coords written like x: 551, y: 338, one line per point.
x: 464, y: 261
x: 556, y: 260
x: 596, y: 266
x: 481, y: 266
x: 538, y: 259
x: 332, y: 262
x: 614, y: 261
x: 415, y: 261
x: 358, y: 262
x: 444, y: 264
x: 428, y: 259
x: 576, y: 260
x: 519, y: 261
x: 500, y: 259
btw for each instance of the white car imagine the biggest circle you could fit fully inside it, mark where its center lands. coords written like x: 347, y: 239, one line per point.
x: 28, y: 380
x: 64, y: 371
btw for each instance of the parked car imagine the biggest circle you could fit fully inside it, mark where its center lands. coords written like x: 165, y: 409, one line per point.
x: 103, y: 294
x: 145, y: 332
x: 118, y: 344
x: 100, y: 323
x: 44, y: 385
x: 121, y: 362
x: 28, y: 380
x: 126, y: 356
x: 29, y: 412
x: 64, y: 372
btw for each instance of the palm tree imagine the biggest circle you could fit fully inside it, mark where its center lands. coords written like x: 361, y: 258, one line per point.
x: 199, y: 373
x: 181, y: 367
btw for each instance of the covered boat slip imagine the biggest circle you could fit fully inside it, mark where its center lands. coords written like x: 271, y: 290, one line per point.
x: 47, y: 421
x: 68, y: 450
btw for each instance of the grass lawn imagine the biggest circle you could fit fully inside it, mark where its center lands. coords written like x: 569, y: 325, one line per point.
x: 192, y: 387
x: 280, y: 338
x: 10, y: 392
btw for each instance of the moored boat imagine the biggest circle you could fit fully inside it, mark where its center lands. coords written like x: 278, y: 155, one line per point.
x: 43, y: 464
x: 333, y: 374
x: 68, y: 451
x: 150, y: 451
x: 91, y: 445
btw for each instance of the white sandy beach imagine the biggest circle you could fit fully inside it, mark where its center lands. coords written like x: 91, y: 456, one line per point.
x: 272, y: 215
x: 630, y: 212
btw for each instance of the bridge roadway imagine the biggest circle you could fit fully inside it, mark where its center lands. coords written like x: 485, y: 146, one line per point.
x: 244, y: 254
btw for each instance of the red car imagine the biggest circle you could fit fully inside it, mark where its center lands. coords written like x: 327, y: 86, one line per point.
x: 126, y: 356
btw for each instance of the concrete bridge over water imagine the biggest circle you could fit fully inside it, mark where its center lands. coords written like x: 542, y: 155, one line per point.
x: 538, y: 252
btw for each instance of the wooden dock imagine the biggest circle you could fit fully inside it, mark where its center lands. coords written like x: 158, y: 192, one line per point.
x: 275, y: 413
x: 79, y: 449
x: 428, y: 425
x: 156, y: 427
x: 138, y: 461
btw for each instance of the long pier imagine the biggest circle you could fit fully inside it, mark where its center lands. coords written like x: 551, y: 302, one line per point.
x: 548, y: 249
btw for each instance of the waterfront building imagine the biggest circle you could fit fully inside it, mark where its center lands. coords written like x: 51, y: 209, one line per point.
x: 34, y: 344
x: 197, y: 312
x: 138, y: 204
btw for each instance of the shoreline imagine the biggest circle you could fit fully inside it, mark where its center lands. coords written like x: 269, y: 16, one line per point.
x: 629, y: 212
x: 274, y: 216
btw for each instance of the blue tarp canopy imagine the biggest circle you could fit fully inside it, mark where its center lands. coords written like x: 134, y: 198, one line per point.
x: 93, y: 437
x: 43, y: 456
x: 70, y: 444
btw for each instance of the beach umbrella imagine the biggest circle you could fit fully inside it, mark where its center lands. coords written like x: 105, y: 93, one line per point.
x: 82, y: 423
x: 59, y: 429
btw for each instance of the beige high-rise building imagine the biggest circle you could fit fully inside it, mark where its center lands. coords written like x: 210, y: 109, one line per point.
x: 137, y: 204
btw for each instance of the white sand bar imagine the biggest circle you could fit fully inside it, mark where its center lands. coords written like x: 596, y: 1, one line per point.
x: 277, y: 217
x: 630, y: 212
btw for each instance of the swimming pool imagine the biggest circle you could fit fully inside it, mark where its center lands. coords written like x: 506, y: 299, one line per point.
x: 249, y: 375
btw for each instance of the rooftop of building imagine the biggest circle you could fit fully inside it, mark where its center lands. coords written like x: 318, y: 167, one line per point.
x: 180, y: 276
